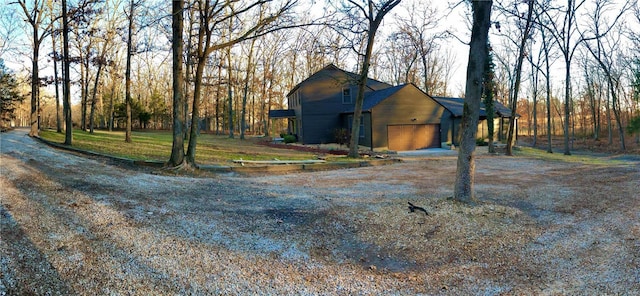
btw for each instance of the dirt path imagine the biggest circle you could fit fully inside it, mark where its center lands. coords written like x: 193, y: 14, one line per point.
x: 74, y: 225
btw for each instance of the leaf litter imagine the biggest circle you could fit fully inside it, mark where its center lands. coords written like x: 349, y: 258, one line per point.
x: 80, y: 226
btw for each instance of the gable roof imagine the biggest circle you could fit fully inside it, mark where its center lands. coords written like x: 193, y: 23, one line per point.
x: 373, y: 98
x: 332, y: 67
x: 456, y: 105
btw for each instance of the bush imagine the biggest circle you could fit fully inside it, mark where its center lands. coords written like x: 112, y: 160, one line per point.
x: 341, y: 136
x: 289, y: 139
x: 481, y: 142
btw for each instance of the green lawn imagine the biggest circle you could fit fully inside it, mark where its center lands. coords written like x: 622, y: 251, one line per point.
x: 156, y: 146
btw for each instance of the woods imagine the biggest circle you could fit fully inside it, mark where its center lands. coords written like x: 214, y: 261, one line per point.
x: 562, y: 74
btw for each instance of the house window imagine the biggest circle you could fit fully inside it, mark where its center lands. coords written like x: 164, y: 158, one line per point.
x: 346, y: 96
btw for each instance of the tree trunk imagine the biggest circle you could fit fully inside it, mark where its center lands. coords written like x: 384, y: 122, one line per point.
x: 230, y: 94
x: 374, y: 24
x: 55, y: 81
x: 195, y: 112
x: 127, y: 74
x: 35, y: 86
x: 243, y: 123
x: 478, y: 53
x: 93, y: 97
x: 177, y: 149
x: 516, y: 86
x: 66, y: 100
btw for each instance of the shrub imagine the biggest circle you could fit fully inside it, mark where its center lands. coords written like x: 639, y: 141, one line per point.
x: 341, y: 136
x: 481, y: 142
x: 289, y: 139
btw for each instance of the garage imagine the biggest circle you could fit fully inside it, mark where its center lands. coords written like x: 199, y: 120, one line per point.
x: 413, y: 136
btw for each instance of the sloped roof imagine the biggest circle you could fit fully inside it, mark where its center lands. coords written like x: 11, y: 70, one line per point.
x: 373, y: 98
x: 333, y: 67
x: 455, y: 106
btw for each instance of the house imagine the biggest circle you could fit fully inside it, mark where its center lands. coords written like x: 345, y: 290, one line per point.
x: 452, y: 118
x: 398, y: 118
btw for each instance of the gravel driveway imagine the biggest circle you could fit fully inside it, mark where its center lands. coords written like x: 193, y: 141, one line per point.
x: 76, y: 225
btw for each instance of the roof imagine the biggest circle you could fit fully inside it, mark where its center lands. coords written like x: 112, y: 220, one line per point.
x: 373, y: 98
x: 333, y: 67
x: 286, y: 113
x: 455, y: 106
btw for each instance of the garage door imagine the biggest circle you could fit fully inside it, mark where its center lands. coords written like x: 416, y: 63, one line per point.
x: 413, y: 136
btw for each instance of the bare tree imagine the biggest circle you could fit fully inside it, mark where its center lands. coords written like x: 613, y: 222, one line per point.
x: 66, y: 97
x: 516, y: 86
x: 8, y: 30
x: 603, y: 49
x: 177, y: 25
x: 35, y: 15
x: 211, y: 16
x: 106, y: 37
x: 127, y: 73
x: 418, y: 29
x: 363, y: 20
x: 478, y: 53
x: 55, y: 57
x: 563, y: 29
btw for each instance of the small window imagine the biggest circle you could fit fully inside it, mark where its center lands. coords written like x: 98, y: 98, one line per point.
x: 346, y: 96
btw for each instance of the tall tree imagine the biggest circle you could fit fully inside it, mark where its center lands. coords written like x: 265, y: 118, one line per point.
x: 419, y: 31
x: 34, y: 12
x: 10, y: 96
x: 563, y: 29
x: 66, y: 96
x: 489, y: 89
x: 516, y: 86
x: 602, y: 52
x: 365, y: 19
x: 478, y: 53
x: 127, y: 75
x: 177, y: 24
x: 55, y: 57
x: 106, y: 36
x: 213, y: 15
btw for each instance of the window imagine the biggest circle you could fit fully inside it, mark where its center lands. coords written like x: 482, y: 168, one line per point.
x: 346, y: 96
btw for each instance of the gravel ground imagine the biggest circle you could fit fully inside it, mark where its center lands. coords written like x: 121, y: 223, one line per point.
x: 77, y: 225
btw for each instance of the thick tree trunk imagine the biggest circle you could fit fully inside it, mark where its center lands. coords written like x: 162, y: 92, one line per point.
x: 478, y: 53
x: 177, y: 149
x: 195, y: 112
x: 35, y: 86
x: 66, y: 100
x: 127, y: 135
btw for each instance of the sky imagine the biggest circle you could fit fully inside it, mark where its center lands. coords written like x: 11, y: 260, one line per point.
x: 455, y: 20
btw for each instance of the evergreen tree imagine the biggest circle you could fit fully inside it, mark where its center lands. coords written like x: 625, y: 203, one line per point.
x: 9, y: 96
x: 488, y: 94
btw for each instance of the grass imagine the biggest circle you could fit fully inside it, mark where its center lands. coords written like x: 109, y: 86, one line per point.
x: 576, y: 157
x: 156, y: 146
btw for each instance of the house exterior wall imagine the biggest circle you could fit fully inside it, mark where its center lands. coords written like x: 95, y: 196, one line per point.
x: 321, y: 103
x: 407, y: 106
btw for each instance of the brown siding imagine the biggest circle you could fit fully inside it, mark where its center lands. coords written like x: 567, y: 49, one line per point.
x: 408, y: 106
x: 413, y: 136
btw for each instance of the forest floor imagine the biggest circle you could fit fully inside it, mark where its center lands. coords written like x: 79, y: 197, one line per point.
x: 80, y: 225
